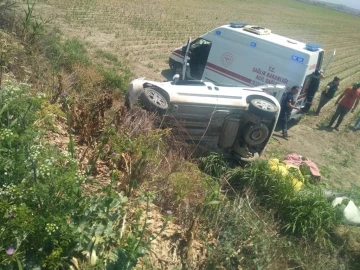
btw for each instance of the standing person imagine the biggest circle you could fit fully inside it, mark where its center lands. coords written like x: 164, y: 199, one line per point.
x: 287, y: 105
x: 312, y: 88
x: 328, y: 93
x: 347, y: 99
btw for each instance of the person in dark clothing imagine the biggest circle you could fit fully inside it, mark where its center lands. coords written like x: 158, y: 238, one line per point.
x: 328, y: 93
x: 345, y: 103
x: 312, y: 89
x: 287, y: 105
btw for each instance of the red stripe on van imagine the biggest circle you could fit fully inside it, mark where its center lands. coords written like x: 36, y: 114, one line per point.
x: 178, y: 53
x: 222, y: 74
x: 229, y: 73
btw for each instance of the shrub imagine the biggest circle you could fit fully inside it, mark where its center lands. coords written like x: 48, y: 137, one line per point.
x: 242, y: 240
x: 114, y: 78
x: 87, y: 81
x: 245, y: 236
x: 32, y: 26
x: 9, y: 50
x: 310, y: 214
x: 75, y: 53
x: 53, y: 48
x: 214, y: 165
x: 136, y: 157
x: 45, y: 217
x: 303, y: 213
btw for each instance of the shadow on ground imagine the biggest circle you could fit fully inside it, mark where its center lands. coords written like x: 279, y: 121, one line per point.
x: 167, y: 74
x: 291, y: 123
x: 324, y: 127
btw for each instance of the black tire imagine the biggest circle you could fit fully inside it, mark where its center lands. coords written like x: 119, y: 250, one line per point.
x: 255, y: 134
x: 176, y: 69
x: 263, y: 108
x: 155, y: 101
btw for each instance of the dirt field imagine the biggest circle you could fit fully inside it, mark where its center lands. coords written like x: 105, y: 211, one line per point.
x: 143, y: 33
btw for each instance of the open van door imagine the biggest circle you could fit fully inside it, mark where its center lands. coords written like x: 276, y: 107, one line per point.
x: 185, y: 61
x: 329, y: 60
x: 276, y: 90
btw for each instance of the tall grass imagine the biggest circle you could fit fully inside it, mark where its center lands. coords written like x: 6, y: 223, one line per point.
x: 264, y: 222
x: 246, y: 236
x: 301, y: 213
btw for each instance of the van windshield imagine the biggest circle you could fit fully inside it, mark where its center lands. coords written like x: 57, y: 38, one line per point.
x: 198, y: 42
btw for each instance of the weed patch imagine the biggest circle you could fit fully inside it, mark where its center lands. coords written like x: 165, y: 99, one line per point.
x: 303, y: 213
x: 108, y: 56
x: 54, y: 220
x: 74, y: 53
x: 114, y: 79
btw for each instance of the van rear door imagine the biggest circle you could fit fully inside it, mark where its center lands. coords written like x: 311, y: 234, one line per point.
x: 329, y: 60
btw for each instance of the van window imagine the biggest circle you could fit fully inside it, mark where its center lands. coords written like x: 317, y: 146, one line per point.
x: 320, y: 60
x: 198, y: 42
x: 199, y: 52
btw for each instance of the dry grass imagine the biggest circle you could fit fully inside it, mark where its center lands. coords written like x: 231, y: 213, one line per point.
x: 143, y: 33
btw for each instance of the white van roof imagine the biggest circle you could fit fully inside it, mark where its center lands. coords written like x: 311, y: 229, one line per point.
x: 237, y: 34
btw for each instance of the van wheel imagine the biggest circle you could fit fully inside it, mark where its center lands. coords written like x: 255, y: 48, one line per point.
x: 176, y: 69
x: 263, y: 108
x: 154, y: 101
x: 255, y: 134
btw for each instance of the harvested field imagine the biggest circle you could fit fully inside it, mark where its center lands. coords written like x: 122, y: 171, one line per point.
x: 142, y: 35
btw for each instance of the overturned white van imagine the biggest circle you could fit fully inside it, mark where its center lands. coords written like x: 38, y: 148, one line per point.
x: 245, y: 54
x: 234, y: 120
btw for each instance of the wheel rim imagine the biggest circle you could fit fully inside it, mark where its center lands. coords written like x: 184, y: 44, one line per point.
x: 263, y: 104
x: 157, y: 99
x: 257, y: 134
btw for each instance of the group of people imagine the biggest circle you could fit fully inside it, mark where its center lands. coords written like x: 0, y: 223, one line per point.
x: 347, y: 101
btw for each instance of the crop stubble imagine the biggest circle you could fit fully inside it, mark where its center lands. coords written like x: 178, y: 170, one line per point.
x: 143, y: 33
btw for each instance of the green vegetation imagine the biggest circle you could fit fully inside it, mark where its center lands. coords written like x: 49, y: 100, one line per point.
x: 75, y: 53
x: 107, y: 55
x: 302, y: 213
x: 289, y: 220
x: 46, y: 216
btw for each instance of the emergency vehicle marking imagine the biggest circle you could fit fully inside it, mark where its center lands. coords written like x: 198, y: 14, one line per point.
x: 269, y: 76
x: 228, y: 73
x: 224, y: 72
x: 178, y: 53
x: 312, y: 67
x: 227, y: 59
